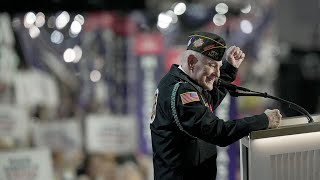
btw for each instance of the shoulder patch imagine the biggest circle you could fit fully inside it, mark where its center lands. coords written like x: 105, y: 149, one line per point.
x: 189, y: 97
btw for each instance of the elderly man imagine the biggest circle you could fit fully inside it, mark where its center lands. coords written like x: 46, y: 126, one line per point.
x: 184, y: 128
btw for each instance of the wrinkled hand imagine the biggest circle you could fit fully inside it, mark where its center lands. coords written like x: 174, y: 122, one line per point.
x: 274, y: 117
x: 235, y: 56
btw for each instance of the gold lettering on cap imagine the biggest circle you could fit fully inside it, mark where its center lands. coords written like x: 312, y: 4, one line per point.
x: 213, y: 54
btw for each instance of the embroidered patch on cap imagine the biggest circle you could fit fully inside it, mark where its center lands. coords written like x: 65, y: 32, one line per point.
x: 197, y: 43
x: 208, y: 44
x: 189, y: 97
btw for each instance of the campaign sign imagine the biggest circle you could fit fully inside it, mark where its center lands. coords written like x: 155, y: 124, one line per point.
x: 14, y: 124
x: 32, y: 164
x: 62, y: 135
x: 110, y: 134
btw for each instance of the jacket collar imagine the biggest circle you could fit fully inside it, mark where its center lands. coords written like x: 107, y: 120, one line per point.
x: 176, y: 72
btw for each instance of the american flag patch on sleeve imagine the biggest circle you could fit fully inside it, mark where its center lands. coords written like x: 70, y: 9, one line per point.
x: 189, y: 97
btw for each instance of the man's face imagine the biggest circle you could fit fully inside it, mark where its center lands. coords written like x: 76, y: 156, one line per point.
x: 205, y: 72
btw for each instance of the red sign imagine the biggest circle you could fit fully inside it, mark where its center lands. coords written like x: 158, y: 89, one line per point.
x: 147, y: 43
x: 172, y: 57
x: 99, y: 19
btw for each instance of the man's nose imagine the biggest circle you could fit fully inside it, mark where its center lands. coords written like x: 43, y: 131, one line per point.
x: 217, y: 72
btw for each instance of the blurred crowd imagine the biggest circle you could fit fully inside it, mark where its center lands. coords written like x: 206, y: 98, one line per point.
x: 53, y: 71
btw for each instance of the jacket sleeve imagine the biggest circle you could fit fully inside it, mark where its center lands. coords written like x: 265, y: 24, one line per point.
x: 198, y: 121
x: 228, y: 73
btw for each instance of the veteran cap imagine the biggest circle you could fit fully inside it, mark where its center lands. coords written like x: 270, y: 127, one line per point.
x: 208, y: 44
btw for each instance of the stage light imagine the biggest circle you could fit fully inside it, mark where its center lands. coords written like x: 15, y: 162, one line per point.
x: 180, y: 8
x: 219, y: 19
x: 95, y: 76
x: 69, y: 55
x: 62, y: 20
x: 40, y: 19
x: 56, y: 37
x: 29, y: 19
x: 221, y: 8
x: 246, y: 9
x: 246, y: 26
x: 34, y: 31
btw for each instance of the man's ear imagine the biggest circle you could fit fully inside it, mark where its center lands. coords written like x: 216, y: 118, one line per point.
x: 192, y: 60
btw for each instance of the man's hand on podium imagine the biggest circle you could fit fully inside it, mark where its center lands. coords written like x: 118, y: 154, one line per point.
x: 274, y: 117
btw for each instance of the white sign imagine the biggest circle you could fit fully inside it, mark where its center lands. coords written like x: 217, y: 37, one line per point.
x: 14, y: 124
x: 62, y: 135
x: 111, y: 134
x: 34, y: 87
x: 33, y: 164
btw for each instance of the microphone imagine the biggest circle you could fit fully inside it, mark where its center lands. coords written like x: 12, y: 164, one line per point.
x: 233, y: 92
x: 231, y: 87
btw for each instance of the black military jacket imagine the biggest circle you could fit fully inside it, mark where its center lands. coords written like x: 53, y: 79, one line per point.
x: 186, y: 149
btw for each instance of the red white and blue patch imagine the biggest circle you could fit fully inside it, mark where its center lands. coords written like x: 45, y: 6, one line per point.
x: 189, y: 97
x: 198, y: 42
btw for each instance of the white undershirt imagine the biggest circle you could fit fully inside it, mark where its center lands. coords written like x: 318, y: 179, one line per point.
x: 180, y: 67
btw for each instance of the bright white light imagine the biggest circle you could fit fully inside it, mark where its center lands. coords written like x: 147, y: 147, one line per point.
x: 246, y: 26
x: 221, y: 8
x: 72, y: 35
x: 219, y: 19
x: 78, y: 51
x: 75, y: 27
x: 173, y: 16
x: 164, y: 20
x: 34, y: 31
x: 164, y: 17
x: 62, y: 20
x: 69, y: 55
x: 95, y: 76
x: 56, y: 37
x: 40, y: 19
x: 79, y: 18
x: 180, y: 8
x: 29, y: 19
x: 246, y: 9
x: 163, y: 25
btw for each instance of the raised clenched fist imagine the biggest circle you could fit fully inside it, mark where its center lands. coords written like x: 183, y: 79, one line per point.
x: 235, y: 56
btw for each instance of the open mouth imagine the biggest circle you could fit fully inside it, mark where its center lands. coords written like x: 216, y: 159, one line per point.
x: 211, y: 79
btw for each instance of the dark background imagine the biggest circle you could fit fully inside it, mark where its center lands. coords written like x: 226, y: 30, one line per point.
x: 16, y: 6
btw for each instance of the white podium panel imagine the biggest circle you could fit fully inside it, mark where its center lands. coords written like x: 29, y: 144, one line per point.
x: 290, y: 152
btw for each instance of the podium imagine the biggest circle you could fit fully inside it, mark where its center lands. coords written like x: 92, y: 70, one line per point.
x: 289, y: 152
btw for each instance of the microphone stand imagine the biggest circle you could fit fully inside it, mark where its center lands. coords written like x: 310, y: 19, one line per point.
x: 265, y: 95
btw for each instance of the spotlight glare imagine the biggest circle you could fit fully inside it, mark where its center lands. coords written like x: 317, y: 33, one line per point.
x: 29, y: 19
x: 75, y: 27
x: 246, y: 26
x: 34, y: 31
x: 95, y: 76
x: 246, y: 9
x: 222, y: 8
x: 219, y: 19
x: 180, y: 8
x: 69, y: 55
